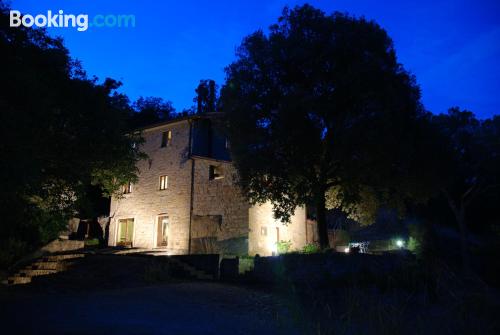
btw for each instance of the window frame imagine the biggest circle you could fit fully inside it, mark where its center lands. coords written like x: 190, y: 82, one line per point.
x: 163, y: 185
x: 263, y: 231
x: 212, y: 175
x: 127, y: 188
x: 166, y: 138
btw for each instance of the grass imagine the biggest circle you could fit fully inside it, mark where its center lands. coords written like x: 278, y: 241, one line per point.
x: 421, y: 299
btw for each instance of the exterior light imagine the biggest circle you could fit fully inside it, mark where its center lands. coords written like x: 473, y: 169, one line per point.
x: 346, y: 250
x: 273, y: 247
x: 400, y: 243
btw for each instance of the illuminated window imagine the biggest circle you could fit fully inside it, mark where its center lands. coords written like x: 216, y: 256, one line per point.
x: 263, y: 231
x: 166, y: 138
x: 163, y: 182
x: 215, y: 172
x: 227, y: 144
x: 127, y: 188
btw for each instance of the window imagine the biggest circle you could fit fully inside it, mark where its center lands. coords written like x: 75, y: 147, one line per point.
x: 215, y: 172
x: 227, y: 144
x: 166, y: 138
x: 263, y: 231
x: 127, y: 188
x: 163, y: 182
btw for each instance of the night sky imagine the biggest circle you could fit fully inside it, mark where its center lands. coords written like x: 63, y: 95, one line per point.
x: 453, y: 47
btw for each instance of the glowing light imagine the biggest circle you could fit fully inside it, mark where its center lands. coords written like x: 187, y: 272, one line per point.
x: 346, y: 250
x: 400, y: 243
x: 273, y: 247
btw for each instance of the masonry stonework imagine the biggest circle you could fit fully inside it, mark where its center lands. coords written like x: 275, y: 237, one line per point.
x: 216, y: 202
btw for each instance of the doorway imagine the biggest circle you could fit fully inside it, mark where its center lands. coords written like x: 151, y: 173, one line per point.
x: 125, y: 232
x: 162, y: 232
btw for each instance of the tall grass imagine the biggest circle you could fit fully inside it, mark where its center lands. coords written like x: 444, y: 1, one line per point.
x: 417, y: 299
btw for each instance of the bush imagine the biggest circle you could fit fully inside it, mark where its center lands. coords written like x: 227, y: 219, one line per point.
x: 310, y: 248
x: 93, y: 242
x: 283, y: 247
x: 246, y: 264
x: 416, y: 238
x: 11, y: 251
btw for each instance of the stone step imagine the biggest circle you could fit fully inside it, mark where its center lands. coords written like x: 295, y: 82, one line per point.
x: 193, y: 272
x: 41, y: 265
x: 15, y: 280
x: 63, y: 257
x: 34, y: 273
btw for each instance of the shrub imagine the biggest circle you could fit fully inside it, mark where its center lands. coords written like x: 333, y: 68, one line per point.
x: 311, y: 248
x: 245, y: 264
x: 416, y: 238
x: 283, y: 247
x: 12, y: 250
x: 93, y: 242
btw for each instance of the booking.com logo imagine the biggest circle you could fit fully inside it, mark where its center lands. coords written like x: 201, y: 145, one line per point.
x: 80, y: 22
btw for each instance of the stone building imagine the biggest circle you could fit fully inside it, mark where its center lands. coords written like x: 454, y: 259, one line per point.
x: 186, y: 199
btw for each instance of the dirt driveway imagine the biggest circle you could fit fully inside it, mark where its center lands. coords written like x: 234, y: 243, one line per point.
x: 110, y: 295
x: 176, y: 308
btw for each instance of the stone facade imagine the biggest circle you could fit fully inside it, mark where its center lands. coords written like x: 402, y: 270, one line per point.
x: 265, y: 230
x: 220, y: 220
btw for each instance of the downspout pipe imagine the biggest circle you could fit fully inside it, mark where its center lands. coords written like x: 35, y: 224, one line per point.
x: 191, y: 200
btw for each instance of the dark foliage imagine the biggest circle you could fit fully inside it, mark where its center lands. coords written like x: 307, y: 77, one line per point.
x: 60, y: 133
x: 150, y: 110
x: 469, y: 169
x: 320, y: 104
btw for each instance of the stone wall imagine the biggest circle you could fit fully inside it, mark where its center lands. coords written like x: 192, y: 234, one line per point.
x: 221, y: 197
x: 239, y: 231
x: 146, y: 202
x: 265, y: 231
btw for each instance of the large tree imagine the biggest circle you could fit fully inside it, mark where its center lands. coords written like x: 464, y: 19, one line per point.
x: 320, y: 105
x: 59, y: 133
x: 206, y: 96
x: 469, y: 168
x: 150, y: 110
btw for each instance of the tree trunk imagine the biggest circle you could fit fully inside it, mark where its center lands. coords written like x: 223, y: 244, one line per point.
x: 321, y: 221
x: 460, y: 217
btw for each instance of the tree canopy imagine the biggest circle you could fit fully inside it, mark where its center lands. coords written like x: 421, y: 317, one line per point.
x: 206, y: 96
x: 150, y: 110
x: 320, y: 105
x: 60, y: 132
x: 469, y: 164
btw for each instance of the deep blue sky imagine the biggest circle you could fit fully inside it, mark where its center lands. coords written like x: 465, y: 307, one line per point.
x: 453, y: 47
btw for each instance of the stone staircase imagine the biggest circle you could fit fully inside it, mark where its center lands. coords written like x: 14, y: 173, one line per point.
x: 43, y: 266
x: 189, y: 270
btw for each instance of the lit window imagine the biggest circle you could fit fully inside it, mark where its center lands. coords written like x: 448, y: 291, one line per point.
x: 227, y: 144
x: 127, y: 188
x: 263, y: 231
x: 163, y: 182
x: 215, y: 172
x: 166, y: 138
